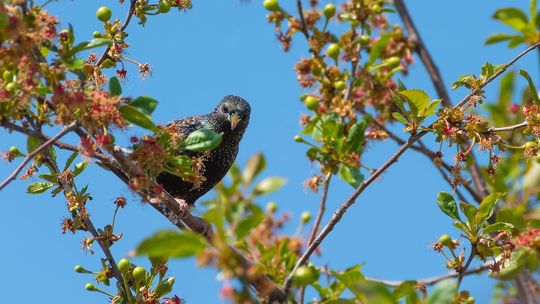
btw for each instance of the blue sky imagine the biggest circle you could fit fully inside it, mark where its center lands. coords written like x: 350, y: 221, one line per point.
x: 227, y: 47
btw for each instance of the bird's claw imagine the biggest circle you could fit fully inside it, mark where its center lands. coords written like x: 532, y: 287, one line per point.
x: 184, y: 208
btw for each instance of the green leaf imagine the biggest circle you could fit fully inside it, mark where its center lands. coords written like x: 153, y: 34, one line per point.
x: 38, y: 187
x: 97, y: 42
x: 533, y: 93
x: 513, y: 17
x: 401, y: 85
x: 202, y: 140
x: 49, y: 177
x: 136, y: 117
x: 114, y: 86
x: 377, y: 48
x: 407, y: 289
x: 355, y: 138
x: 32, y: 143
x: 269, y: 185
x: 497, y: 227
x: 486, y: 207
x: 397, y: 116
x: 145, y: 104
x: 417, y: 100
x: 469, y: 211
x: 247, y: 224
x: 496, y: 38
x: 461, y: 226
x: 443, y: 292
x: 79, y: 167
x: 254, y: 166
x: 70, y: 160
x: 448, y: 205
x: 176, y: 244
x: 351, y: 176
x: 430, y: 109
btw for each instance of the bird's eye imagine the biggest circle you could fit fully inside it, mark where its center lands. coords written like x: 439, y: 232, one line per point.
x: 225, y: 109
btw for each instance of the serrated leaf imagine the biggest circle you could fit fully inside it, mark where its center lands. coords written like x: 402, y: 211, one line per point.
x: 448, y: 205
x: 202, y: 140
x: 351, y: 176
x: 175, y: 244
x: 145, y: 104
x: 497, y: 227
x: 254, y: 166
x: 486, y: 207
x: 269, y: 185
x: 114, y: 86
x: 136, y: 117
x: 417, y: 100
x: 533, y: 93
x: 38, y: 187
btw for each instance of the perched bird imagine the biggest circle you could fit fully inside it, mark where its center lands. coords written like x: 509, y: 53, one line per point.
x: 230, y: 117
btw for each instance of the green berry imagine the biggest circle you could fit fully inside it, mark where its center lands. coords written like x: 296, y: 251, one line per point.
x: 470, y: 300
x: 340, y: 85
x: 304, y: 275
x: 164, y: 6
x: 90, y: 287
x: 305, y: 217
x: 375, y: 8
x: 271, y: 207
x: 329, y: 10
x: 139, y: 273
x: 124, y: 265
x: 333, y: 51
x: 445, y: 240
x: 79, y: 269
x: 12, y: 86
x: 364, y: 40
x: 312, y: 103
x: 104, y: 14
x: 271, y: 5
x: 97, y: 34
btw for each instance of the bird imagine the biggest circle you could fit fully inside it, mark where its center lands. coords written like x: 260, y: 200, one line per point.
x: 231, y: 118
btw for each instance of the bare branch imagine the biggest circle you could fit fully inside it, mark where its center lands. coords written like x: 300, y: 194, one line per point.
x: 508, y: 128
x: 467, y: 264
x: 38, y: 150
x: 433, y: 280
x: 302, y: 19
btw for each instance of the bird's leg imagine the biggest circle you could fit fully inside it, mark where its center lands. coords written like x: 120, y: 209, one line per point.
x: 182, y: 205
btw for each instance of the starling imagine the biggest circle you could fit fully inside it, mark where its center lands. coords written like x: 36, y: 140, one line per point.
x: 230, y: 117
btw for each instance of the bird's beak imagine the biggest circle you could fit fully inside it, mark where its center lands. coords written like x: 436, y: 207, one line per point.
x: 234, y: 119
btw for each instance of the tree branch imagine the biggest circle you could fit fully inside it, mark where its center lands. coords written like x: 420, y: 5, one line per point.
x: 422, y: 51
x: 338, y: 214
x: 508, y: 128
x: 302, y: 19
x: 38, y: 150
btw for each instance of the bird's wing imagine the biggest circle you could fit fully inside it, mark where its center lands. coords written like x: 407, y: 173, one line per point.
x: 187, y: 125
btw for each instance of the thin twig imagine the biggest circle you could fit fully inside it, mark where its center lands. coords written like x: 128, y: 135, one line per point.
x: 38, y: 150
x: 508, y: 128
x: 318, y: 219
x: 433, y: 280
x: 338, y: 214
x: 461, y: 274
x: 422, y: 51
x: 302, y: 19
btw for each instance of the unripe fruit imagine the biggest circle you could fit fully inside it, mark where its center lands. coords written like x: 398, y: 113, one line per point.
x: 329, y: 10
x: 304, y: 275
x: 124, y: 265
x: 364, y: 40
x: 12, y: 86
x: 15, y: 152
x: 89, y: 287
x: 97, y: 34
x: 340, y: 85
x: 298, y: 138
x: 79, y: 269
x: 271, y: 5
x: 305, y: 217
x: 445, y: 240
x: 104, y: 14
x: 333, y: 51
x: 392, y: 62
x: 271, y: 207
x: 376, y: 8
x: 139, y: 273
x: 164, y: 6
x: 311, y: 103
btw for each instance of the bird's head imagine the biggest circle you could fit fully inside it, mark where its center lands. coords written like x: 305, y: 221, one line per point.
x: 237, y: 111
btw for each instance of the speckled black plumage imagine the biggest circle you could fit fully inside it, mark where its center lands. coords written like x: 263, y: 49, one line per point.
x: 218, y: 161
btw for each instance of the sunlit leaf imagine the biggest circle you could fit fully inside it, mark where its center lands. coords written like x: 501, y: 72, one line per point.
x: 114, y: 86
x: 136, y: 117
x: 269, y: 185
x: 351, y: 176
x: 448, y: 205
x: 486, y: 207
x: 497, y: 227
x: 145, y: 104
x: 38, y: 187
x: 175, y: 244
x: 254, y: 166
